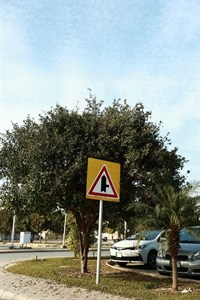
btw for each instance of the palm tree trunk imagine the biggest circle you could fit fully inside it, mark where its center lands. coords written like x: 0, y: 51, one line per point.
x: 174, y: 274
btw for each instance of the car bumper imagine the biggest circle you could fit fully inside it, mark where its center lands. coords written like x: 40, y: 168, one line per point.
x: 125, y: 256
x: 191, y: 268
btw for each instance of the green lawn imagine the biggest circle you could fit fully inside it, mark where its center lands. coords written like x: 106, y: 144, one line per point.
x: 127, y: 284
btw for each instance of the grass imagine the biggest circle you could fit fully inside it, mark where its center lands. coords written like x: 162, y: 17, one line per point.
x: 127, y: 284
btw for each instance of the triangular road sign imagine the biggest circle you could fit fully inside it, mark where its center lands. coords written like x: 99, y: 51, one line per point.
x: 103, y: 185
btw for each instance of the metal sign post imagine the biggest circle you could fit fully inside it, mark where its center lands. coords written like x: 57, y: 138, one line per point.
x: 103, y: 184
x: 13, y: 231
x: 99, y: 241
x: 64, y: 231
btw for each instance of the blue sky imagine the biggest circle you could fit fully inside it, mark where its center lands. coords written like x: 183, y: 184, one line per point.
x: 146, y: 51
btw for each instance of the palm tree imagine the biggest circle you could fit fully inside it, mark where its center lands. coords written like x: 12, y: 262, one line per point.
x: 173, y: 211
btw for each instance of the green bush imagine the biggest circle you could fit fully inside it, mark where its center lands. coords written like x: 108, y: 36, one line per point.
x: 72, y: 236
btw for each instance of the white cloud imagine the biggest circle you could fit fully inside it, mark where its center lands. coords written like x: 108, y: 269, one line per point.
x: 155, y: 78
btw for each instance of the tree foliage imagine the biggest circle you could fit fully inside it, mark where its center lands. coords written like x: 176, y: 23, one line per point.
x: 72, y: 236
x: 44, y: 164
x: 173, y: 211
x: 5, y: 221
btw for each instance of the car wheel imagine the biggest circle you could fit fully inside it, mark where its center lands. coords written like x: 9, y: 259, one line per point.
x: 151, y: 259
x: 122, y: 264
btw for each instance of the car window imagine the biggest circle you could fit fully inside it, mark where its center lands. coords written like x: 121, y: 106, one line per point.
x: 132, y: 237
x: 147, y: 235
x: 189, y: 237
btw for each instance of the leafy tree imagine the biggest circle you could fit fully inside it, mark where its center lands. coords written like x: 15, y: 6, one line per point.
x: 44, y: 164
x: 36, y: 223
x: 5, y: 222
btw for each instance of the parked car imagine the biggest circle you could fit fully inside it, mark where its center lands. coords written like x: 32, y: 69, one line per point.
x: 141, y: 247
x: 188, y: 262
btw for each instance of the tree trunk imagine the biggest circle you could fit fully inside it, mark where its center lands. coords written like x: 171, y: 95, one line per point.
x: 173, y: 248
x: 84, y: 259
x: 174, y: 274
x: 85, y: 223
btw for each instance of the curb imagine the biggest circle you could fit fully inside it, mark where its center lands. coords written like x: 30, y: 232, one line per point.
x: 47, y: 249
x: 23, y: 250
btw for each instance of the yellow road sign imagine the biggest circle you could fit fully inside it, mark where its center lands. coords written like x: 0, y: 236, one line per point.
x: 103, y: 180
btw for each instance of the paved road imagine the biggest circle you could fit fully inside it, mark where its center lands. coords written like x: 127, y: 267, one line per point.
x: 6, y: 258
x: 17, y: 254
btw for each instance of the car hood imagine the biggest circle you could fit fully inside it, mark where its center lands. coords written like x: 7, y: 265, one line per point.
x: 129, y: 243
x: 188, y: 248
x: 185, y: 250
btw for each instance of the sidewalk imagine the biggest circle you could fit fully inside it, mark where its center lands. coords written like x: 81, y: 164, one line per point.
x: 20, y: 287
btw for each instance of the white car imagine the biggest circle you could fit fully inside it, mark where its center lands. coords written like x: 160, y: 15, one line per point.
x: 142, y: 247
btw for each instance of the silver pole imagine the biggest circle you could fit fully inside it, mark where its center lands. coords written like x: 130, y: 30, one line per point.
x: 125, y: 229
x: 99, y: 242
x: 64, y: 231
x: 13, y: 232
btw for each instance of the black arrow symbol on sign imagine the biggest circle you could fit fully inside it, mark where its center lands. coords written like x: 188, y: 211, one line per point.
x: 103, y: 183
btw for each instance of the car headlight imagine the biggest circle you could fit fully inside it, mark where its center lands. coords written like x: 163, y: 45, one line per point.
x: 142, y: 246
x: 196, y: 255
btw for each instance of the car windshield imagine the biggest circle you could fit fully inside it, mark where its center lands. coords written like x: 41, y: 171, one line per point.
x: 192, y: 236
x: 132, y: 237
x: 147, y: 235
